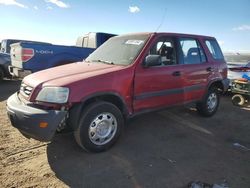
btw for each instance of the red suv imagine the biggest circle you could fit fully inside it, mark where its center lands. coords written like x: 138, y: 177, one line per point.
x: 126, y: 76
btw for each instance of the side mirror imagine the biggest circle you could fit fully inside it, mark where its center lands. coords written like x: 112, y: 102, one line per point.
x: 152, y: 60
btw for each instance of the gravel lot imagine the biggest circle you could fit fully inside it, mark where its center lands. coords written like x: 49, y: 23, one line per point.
x: 162, y: 149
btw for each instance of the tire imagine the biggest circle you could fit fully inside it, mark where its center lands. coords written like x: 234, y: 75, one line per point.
x: 238, y: 100
x: 100, y: 126
x: 1, y: 74
x: 210, y: 103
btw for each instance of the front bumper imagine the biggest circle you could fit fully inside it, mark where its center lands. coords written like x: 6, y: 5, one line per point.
x: 27, y: 119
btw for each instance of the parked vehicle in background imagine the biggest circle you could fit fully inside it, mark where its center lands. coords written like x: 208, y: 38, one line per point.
x: 5, y: 45
x: 241, y: 91
x: 27, y: 58
x: 5, y: 57
x: 238, y: 65
x: 4, y: 64
x: 126, y: 76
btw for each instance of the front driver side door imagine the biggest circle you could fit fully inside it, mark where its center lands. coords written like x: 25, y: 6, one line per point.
x: 159, y: 86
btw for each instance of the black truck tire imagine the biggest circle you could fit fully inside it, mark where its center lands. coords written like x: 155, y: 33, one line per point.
x: 100, y: 126
x: 210, y: 103
x: 1, y: 74
x: 238, y: 100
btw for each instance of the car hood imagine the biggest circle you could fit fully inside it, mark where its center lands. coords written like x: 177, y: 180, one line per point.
x: 66, y: 74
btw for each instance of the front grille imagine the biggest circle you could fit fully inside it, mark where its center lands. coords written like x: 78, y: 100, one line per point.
x: 25, y: 90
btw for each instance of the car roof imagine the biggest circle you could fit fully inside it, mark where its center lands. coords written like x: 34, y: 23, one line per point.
x: 170, y: 34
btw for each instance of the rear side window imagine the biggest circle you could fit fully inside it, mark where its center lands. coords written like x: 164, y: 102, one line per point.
x: 191, y: 51
x: 214, y: 49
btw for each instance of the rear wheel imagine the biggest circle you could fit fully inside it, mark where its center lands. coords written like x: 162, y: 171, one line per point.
x: 238, y: 100
x: 209, y: 105
x: 100, y: 127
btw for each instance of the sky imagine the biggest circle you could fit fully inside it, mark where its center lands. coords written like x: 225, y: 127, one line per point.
x: 62, y: 21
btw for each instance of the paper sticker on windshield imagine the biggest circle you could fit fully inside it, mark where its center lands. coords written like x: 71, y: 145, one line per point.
x: 134, y: 42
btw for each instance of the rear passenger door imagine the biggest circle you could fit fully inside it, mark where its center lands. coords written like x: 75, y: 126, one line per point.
x: 196, y: 68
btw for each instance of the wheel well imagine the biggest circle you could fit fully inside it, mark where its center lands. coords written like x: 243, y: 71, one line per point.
x: 77, y: 109
x: 218, y: 85
x: 108, y: 98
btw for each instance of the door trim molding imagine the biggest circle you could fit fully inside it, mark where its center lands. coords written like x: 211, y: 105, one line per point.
x: 167, y: 92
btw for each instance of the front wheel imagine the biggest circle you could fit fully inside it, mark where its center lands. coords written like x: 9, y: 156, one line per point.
x: 209, y: 105
x: 100, y: 126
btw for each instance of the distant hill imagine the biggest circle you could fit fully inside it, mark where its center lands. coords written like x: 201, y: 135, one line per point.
x: 237, y: 57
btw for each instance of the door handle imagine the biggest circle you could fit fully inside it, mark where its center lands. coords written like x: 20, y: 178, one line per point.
x: 210, y: 69
x: 176, y: 73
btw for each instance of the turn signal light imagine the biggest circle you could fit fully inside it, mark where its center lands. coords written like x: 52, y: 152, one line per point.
x: 43, y: 124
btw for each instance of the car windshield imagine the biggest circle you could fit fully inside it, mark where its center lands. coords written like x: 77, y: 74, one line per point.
x: 238, y: 58
x: 120, y: 50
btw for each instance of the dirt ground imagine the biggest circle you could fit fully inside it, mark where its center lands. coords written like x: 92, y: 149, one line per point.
x: 162, y: 149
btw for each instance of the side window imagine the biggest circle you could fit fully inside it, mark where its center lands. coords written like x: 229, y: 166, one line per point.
x: 92, y: 40
x: 166, y: 49
x: 82, y: 41
x: 85, y: 42
x: 214, y: 49
x: 191, y: 51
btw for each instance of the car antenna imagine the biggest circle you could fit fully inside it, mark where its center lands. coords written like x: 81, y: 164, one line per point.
x: 162, y: 20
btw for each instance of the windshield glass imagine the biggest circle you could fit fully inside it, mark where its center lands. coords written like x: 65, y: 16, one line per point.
x: 120, y: 50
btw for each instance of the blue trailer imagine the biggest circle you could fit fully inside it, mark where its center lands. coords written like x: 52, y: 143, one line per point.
x: 30, y: 57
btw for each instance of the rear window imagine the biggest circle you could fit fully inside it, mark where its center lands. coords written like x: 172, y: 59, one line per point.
x: 214, y: 49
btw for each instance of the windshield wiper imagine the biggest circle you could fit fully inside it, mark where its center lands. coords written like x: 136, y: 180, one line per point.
x: 103, y: 61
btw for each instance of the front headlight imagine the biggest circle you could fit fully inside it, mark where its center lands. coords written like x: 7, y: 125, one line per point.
x: 53, y: 95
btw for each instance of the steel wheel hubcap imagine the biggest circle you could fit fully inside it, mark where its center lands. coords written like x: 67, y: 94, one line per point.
x: 211, y: 102
x: 103, y: 128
